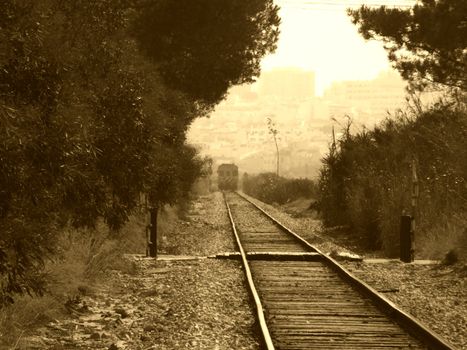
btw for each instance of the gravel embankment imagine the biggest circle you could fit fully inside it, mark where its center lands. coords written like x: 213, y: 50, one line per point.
x: 196, y: 304
x: 203, y: 303
x: 166, y: 305
x: 204, y: 231
x: 434, y: 294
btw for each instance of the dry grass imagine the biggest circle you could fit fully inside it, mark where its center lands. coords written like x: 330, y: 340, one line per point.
x: 27, y: 313
x: 448, y: 237
x: 83, y: 258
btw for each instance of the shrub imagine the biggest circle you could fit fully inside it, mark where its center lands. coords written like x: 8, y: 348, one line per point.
x: 365, y: 181
x: 93, y: 113
x: 270, y: 188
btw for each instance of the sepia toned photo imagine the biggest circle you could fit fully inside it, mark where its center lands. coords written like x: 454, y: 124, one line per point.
x: 233, y: 174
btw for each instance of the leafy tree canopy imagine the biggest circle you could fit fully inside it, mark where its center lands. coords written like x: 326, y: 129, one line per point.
x: 427, y: 43
x: 88, y: 122
x: 204, y: 47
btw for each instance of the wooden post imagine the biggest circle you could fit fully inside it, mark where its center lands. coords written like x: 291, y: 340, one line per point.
x: 414, y: 199
x: 152, y: 241
x: 148, y: 239
x: 406, y: 239
x: 407, y: 228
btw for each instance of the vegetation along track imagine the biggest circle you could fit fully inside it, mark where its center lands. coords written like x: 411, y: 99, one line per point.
x: 306, y: 300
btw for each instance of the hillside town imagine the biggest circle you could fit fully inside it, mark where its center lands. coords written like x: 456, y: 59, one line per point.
x: 237, y: 130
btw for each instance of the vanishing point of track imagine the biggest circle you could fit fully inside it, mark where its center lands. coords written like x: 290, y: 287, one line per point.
x: 306, y: 300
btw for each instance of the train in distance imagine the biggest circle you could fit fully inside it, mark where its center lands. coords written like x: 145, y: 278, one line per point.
x: 227, y: 177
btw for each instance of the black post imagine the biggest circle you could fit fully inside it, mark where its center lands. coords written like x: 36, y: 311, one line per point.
x: 406, y: 239
x: 152, y: 243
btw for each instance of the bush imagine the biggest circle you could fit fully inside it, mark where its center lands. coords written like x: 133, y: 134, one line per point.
x: 270, y: 188
x: 365, y: 181
x: 75, y: 140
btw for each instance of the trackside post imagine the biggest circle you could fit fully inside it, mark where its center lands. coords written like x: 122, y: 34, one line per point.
x: 406, y: 239
x: 152, y: 228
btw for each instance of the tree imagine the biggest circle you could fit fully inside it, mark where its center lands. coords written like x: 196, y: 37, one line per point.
x: 204, y: 47
x: 273, y: 131
x: 426, y: 43
x: 73, y: 138
x: 87, y: 122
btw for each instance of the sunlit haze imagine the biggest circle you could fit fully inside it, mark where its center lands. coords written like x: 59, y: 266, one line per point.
x: 319, y: 36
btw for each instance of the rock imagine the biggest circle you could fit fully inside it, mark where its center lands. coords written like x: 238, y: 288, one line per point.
x: 84, y: 308
x: 95, y: 336
x: 122, y: 312
x: 105, y: 335
x: 149, y: 328
x: 124, y: 334
x: 345, y: 256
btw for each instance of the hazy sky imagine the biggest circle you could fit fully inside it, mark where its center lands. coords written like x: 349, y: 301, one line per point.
x: 318, y: 35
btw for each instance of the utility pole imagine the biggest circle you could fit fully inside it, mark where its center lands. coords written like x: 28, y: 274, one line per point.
x: 273, y: 131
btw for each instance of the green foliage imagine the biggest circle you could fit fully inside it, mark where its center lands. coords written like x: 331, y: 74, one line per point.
x: 204, y: 47
x: 426, y: 43
x: 270, y: 188
x: 365, y: 181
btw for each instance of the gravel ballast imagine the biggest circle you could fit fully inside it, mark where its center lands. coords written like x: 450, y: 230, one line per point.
x: 203, y: 303
x: 204, y: 230
x: 434, y: 294
x: 172, y: 304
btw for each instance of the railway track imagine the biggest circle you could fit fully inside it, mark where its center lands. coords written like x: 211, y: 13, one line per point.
x: 306, y: 300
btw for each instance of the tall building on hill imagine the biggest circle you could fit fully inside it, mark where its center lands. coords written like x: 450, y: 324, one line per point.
x: 287, y: 83
x: 237, y: 129
x: 370, y: 99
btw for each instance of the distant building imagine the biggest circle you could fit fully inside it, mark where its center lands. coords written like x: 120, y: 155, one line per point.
x: 237, y: 132
x: 243, y: 93
x: 369, y: 100
x: 287, y: 84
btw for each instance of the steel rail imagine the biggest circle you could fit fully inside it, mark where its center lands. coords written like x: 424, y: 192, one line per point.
x: 259, y: 307
x: 408, y: 322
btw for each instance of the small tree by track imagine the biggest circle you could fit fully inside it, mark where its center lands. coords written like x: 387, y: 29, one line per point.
x: 274, y: 132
